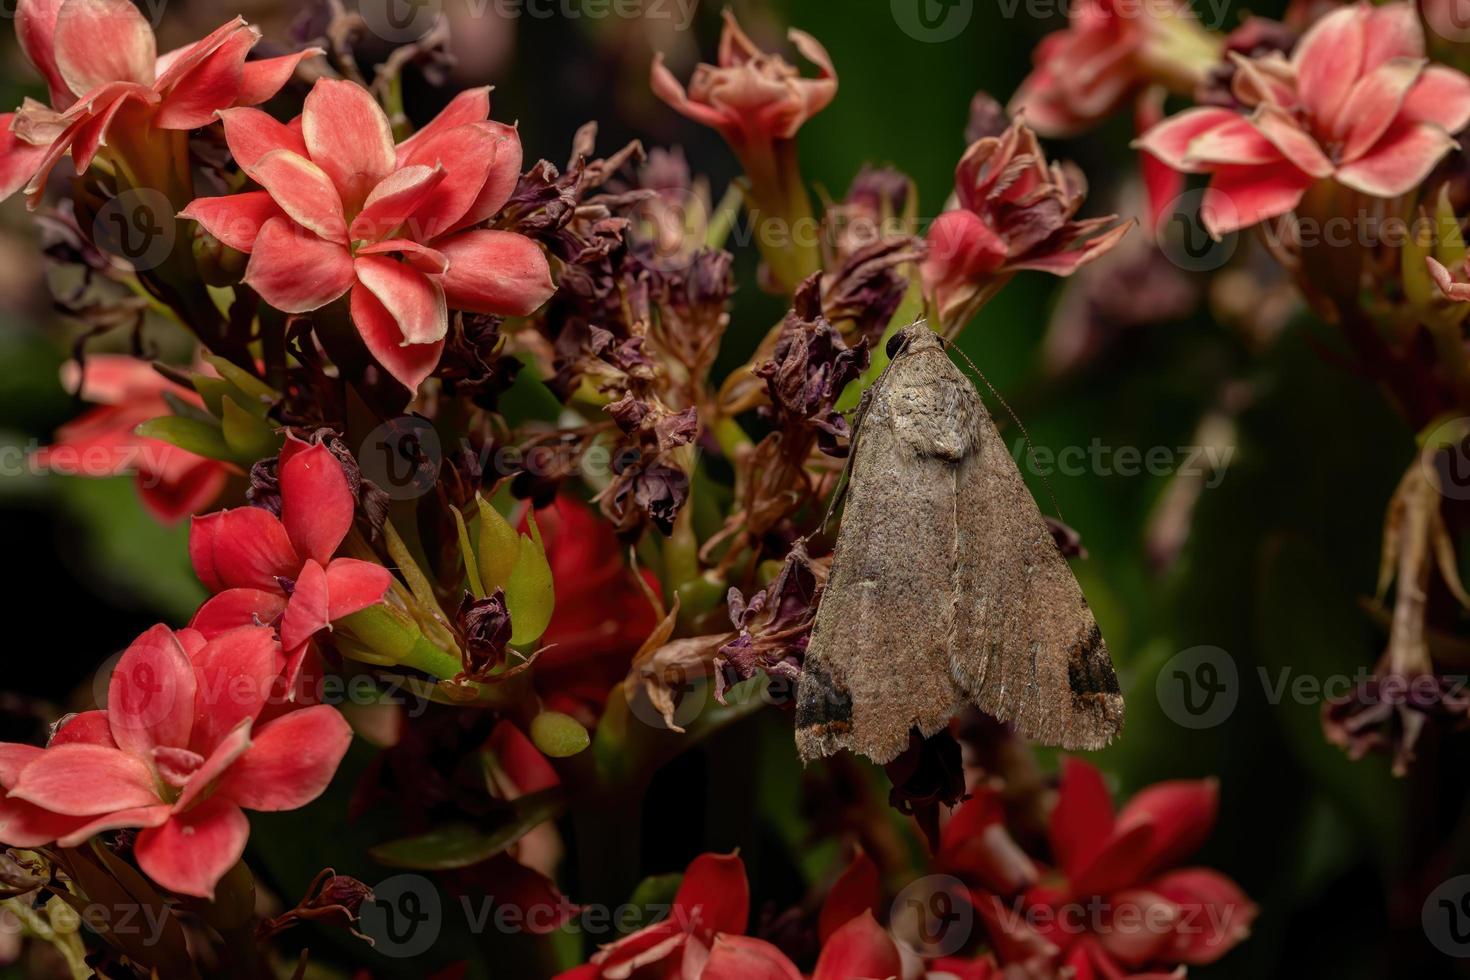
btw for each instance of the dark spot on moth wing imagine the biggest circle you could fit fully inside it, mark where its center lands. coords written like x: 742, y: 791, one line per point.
x: 823, y: 705
x: 1089, y: 668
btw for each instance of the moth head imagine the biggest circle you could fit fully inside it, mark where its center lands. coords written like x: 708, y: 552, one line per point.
x: 912, y: 337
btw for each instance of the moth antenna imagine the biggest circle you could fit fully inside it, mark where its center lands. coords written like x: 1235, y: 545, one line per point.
x: 844, y: 478
x: 1030, y: 449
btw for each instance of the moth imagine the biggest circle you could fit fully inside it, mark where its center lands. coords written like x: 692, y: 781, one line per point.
x: 946, y: 585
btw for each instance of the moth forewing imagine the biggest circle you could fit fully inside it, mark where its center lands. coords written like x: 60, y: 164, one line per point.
x: 946, y: 584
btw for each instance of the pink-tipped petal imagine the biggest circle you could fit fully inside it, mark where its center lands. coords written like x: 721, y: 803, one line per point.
x: 505, y: 171
x: 469, y: 106
x: 1238, y: 197
x: 429, y: 261
x: 1374, y: 104
x: 1234, y: 142
x: 410, y: 364
x: 467, y: 154
x: 1296, y: 144
x: 235, y: 220
x: 89, y: 727
x: 209, y: 86
x: 251, y: 134
x: 24, y: 824
x: 304, y: 191
x: 83, y: 780
x: 290, y: 761
x: 747, y: 958
x: 201, y: 782
x: 1441, y: 96
x: 18, y: 159
x: 390, y: 203
x: 191, y: 851
x: 1391, y: 31
x: 316, y: 502
x: 1399, y: 162
x: 234, y: 608
x: 150, y: 698
x: 498, y: 272
x: 262, y: 79
x: 101, y: 41
x: 1328, y: 59
x: 142, y: 816
x: 294, y: 270
x: 415, y: 301
x: 245, y: 547
x: 35, y: 28
x: 1171, y: 139
x: 348, y: 135
x: 235, y: 672
x: 1458, y: 291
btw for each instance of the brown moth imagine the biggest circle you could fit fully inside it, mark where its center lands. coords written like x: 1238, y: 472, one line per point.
x: 946, y: 586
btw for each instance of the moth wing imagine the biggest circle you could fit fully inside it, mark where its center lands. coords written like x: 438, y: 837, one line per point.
x: 1026, y: 646
x: 877, y: 664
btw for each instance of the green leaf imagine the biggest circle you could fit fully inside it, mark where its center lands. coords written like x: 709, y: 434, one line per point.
x: 459, y: 845
x: 189, y: 435
x: 530, y: 594
x: 500, y: 548
x: 467, y: 554
x: 246, y: 435
x: 384, y: 630
x: 254, y: 389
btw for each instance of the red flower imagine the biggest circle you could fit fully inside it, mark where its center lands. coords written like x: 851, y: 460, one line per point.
x: 1110, y: 50
x: 1113, y: 907
x: 263, y: 568
x: 703, y: 938
x: 1356, y: 103
x: 602, y: 615
x: 751, y: 97
x: 101, y: 442
x: 343, y: 209
x: 176, y: 753
x: 99, y: 59
x: 1015, y: 212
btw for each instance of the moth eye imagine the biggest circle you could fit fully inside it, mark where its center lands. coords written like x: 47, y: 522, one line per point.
x: 896, y: 344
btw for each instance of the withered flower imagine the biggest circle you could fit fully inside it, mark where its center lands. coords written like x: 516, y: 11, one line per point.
x: 1015, y: 210
x: 773, y: 627
x: 331, y: 899
x: 485, y: 626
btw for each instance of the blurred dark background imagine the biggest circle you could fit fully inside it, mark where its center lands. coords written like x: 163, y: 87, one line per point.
x: 1278, y: 553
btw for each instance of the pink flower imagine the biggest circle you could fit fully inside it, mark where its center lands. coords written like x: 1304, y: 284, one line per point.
x: 1114, y: 907
x: 703, y: 937
x: 750, y: 97
x: 1109, y: 52
x: 176, y: 753
x: 1357, y: 103
x: 1448, y: 287
x: 101, y: 442
x: 1015, y: 212
x: 99, y: 60
x: 343, y: 209
x: 263, y: 568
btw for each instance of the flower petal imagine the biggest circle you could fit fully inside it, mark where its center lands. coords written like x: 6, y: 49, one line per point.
x: 1082, y: 820
x: 410, y: 364
x: 1181, y: 812
x: 1441, y: 96
x: 234, y: 608
x: 1170, y: 140
x: 245, y: 547
x: 469, y: 106
x: 467, y: 154
x: 1399, y: 162
x: 747, y: 958
x: 90, y: 727
x: 1328, y: 60
x: 415, y: 301
x: 82, y: 780
x: 497, y: 272
x: 251, y: 134
x: 235, y: 671
x: 861, y: 948
x: 347, y: 134
x: 294, y: 270
x: 150, y: 698
x: 855, y: 891
x: 714, y: 896
x: 304, y: 191
x: 423, y: 258
x: 290, y: 761
x: 1218, y: 915
x: 201, y: 781
x: 1391, y: 31
x: 1296, y: 144
x: 316, y: 502
x: 101, y: 41
x: 306, y: 613
x: 211, y: 85
x: 390, y: 203
x: 35, y: 28
x: 262, y: 79
x: 1238, y: 197
x: 18, y: 159
x: 353, y: 585
x: 191, y: 851
x: 235, y: 220
x: 505, y: 171
x: 1234, y: 142
x: 1374, y: 103
x: 24, y: 824
x: 142, y: 816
